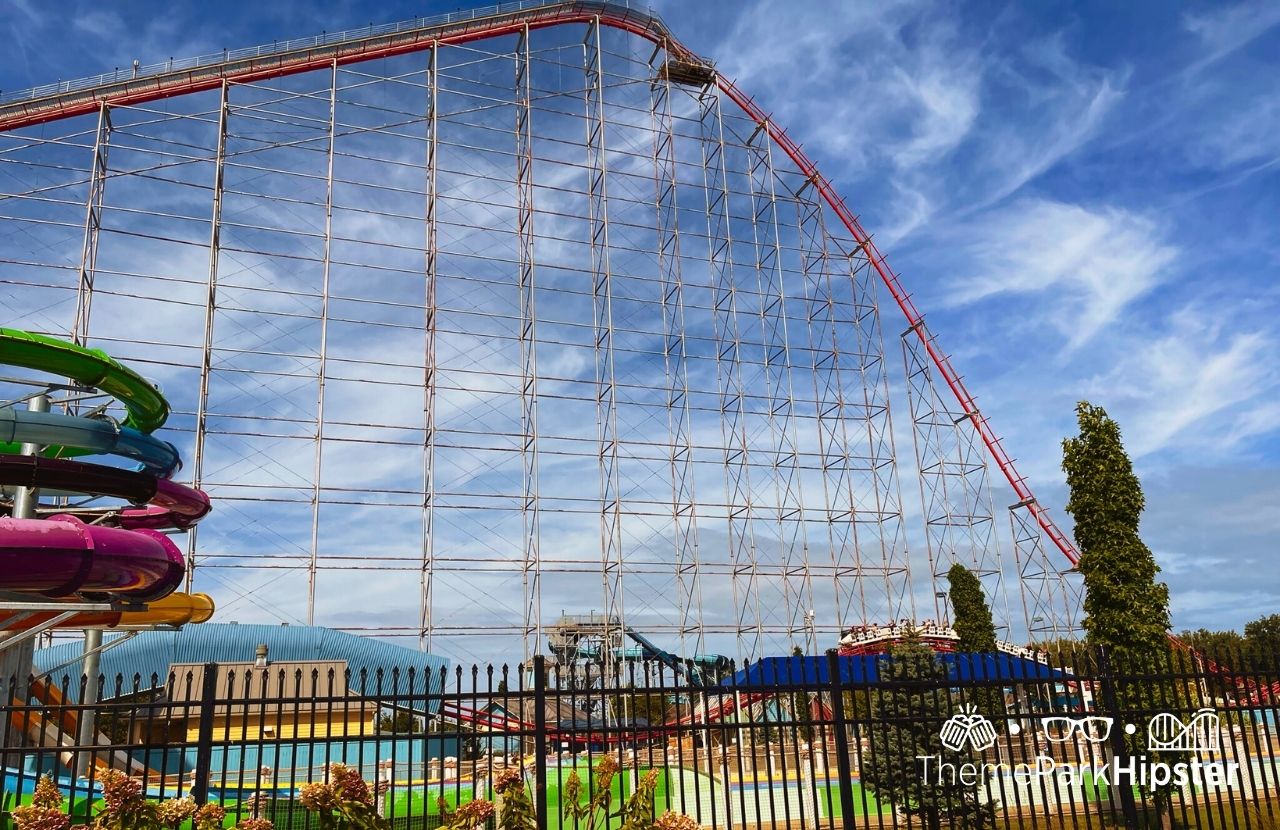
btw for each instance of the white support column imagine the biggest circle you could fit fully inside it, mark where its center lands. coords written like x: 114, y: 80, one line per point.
x: 210, y: 316
x: 738, y: 498
x: 324, y: 348
x: 602, y: 326
x: 92, y: 226
x: 531, y: 559
x: 429, y: 379
x: 684, y: 521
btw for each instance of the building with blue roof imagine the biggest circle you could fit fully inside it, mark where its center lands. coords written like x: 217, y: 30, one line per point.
x: 332, y: 687
x: 771, y: 672
x: 155, y: 652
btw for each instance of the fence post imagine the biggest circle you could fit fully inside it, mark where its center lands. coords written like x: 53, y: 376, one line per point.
x: 839, y: 723
x: 540, y: 739
x: 1118, y: 749
x: 204, y: 743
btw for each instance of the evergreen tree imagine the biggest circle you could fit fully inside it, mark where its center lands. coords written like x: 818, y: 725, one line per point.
x: 971, y: 619
x: 1223, y: 647
x: 906, y: 723
x: 800, y: 703
x: 1126, y: 609
x: 971, y: 616
x: 1262, y: 639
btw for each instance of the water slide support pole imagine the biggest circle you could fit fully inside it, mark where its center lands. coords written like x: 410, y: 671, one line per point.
x: 25, y: 499
x: 88, y: 721
x: 16, y: 657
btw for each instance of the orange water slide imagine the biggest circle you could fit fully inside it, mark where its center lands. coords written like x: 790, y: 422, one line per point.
x: 59, y: 726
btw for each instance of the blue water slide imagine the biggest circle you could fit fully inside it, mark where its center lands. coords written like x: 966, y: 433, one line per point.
x: 98, y: 435
x: 665, y: 657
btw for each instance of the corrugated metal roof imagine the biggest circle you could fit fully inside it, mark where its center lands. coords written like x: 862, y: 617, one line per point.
x: 153, y: 652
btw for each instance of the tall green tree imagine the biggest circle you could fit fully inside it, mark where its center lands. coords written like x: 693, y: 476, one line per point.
x: 1262, y: 639
x: 1062, y: 652
x: 1220, y: 646
x: 973, y: 624
x: 971, y: 615
x: 906, y: 724
x: 1126, y: 608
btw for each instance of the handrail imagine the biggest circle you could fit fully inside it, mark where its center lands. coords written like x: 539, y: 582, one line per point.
x: 122, y: 87
x: 276, y: 48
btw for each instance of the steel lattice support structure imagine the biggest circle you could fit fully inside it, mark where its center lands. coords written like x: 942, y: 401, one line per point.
x: 955, y: 494
x: 878, y: 496
x: 855, y: 433
x: 727, y: 341
x: 1052, y: 596
x: 430, y: 384
x: 326, y: 261
x: 508, y: 313
x: 684, y: 502
x: 791, y: 565
x: 532, y: 633
x: 210, y: 306
x: 92, y: 224
x: 602, y: 327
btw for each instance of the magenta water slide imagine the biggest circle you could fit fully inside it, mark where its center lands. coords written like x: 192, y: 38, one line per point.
x: 120, y: 552
x: 158, y: 502
x: 62, y: 556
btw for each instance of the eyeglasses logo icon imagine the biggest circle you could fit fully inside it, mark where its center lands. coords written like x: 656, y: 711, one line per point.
x: 1093, y: 728
x: 967, y: 727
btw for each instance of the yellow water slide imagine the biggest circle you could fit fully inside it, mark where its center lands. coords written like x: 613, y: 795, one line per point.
x: 176, y: 609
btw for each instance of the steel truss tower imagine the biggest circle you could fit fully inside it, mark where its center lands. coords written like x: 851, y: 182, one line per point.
x: 475, y: 319
x: 959, y: 520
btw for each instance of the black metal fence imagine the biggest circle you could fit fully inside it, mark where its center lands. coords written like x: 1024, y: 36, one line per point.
x: 1003, y: 740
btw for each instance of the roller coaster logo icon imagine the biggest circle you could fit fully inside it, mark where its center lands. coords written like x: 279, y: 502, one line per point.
x: 1168, y: 733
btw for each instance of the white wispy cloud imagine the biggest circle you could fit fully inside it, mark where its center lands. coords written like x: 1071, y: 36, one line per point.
x: 1226, y: 29
x: 917, y: 104
x: 1093, y: 263
x: 1016, y: 154
x: 909, y: 97
x: 1202, y: 385
x: 1242, y: 135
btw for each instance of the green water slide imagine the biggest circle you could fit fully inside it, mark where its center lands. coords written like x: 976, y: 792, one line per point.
x: 147, y: 409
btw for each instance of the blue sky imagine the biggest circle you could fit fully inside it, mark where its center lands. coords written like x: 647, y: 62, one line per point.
x: 1082, y: 199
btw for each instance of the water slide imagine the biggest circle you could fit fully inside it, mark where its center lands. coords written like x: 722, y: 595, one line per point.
x: 62, y: 550
x: 62, y: 556
x: 157, y: 502
x: 176, y: 609
x: 676, y: 664
x: 58, y: 726
x: 112, y: 552
x: 147, y: 408
x: 97, y: 435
